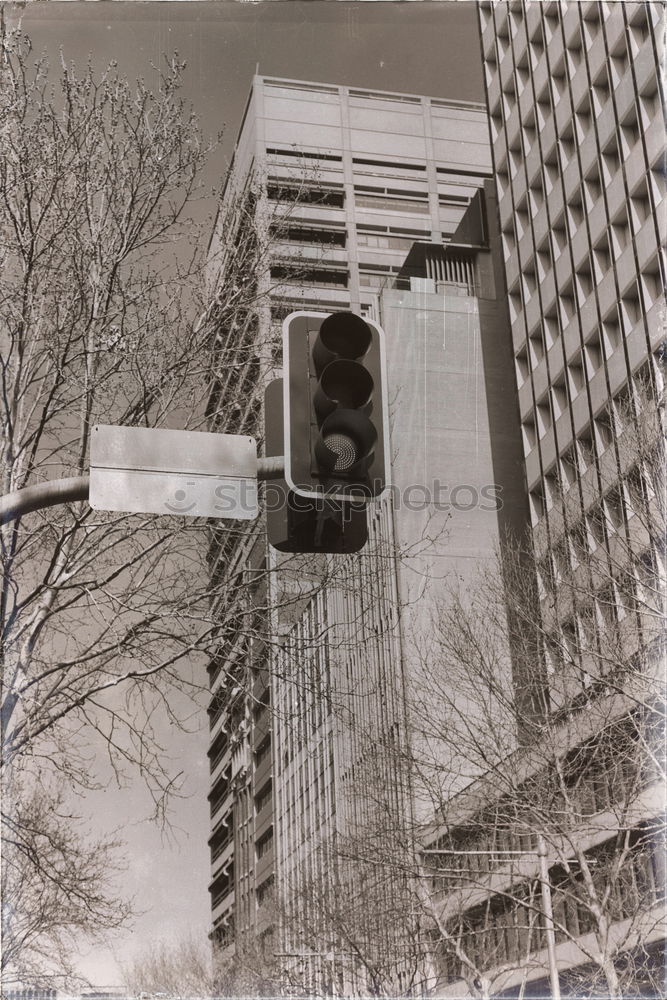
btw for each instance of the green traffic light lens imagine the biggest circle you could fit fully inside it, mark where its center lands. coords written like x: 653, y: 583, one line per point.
x: 347, y: 443
x: 344, y: 448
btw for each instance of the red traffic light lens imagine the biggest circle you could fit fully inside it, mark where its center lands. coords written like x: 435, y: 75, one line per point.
x: 341, y: 335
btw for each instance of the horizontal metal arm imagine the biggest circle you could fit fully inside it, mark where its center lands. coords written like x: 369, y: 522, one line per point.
x: 271, y: 468
x: 55, y: 491
x: 41, y: 495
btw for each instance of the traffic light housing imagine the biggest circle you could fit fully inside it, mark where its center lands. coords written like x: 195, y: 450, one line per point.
x: 335, y: 407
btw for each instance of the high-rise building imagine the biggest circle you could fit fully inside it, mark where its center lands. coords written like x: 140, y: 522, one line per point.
x: 578, y: 140
x: 379, y: 203
x: 578, y: 144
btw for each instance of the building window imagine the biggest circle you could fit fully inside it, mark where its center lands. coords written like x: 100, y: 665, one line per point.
x: 515, y: 306
x: 584, y: 282
x: 220, y: 792
x: 562, y: 560
x: 568, y: 465
x: 650, y: 581
x: 264, y: 844
x: 582, y: 120
x: 592, y: 188
x: 536, y: 195
x: 264, y: 796
x: 388, y: 164
x: 559, y: 397
x: 280, y: 308
x: 604, y: 429
x: 566, y: 306
x: 528, y: 283
x: 570, y: 636
x: 543, y: 258
x: 536, y: 347
x: 529, y: 435
x: 543, y: 411
x: 575, y: 376
x: 259, y: 713
x: 537, y: 507
x: 608, y: 608
x: 638, y: 490
x: 375, y: 279
x: 308, y: 235
x: 620, y: 232
x: 615, y: 508
x: 601, y: 256
x: 596, y: 521
x: 304, y: 195
x: 593, y: 354
x: 222, y: 839
x: 301, y: 154
x: 263, y: 751
x: 384, y: 239
x: 218, y: 750
x: 298, y: 274
x: 263, y: 891
x: 580, y: 543
x: 618, y: 63
x: 521, y: 361
x: 385, y: 204
x: 600, y: 91
x: 559, y: 237
x: 650, y: 283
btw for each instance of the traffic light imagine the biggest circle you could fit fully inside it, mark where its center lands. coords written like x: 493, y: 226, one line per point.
x: 335, y: 403
x: 303, y: 524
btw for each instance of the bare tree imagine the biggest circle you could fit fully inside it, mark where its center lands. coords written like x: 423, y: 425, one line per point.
x: 99, y: 617
x: 252, y: 965
x: 174, y: 969
x: 106, y: 316
x: 57, y: 882
x: 96, y: 194
x: 353, y: 927
x: 116, y: 308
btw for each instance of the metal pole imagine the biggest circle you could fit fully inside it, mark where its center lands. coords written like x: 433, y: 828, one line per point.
x: 271, y: 468
x: 15, y: 505
x: 548, y: 917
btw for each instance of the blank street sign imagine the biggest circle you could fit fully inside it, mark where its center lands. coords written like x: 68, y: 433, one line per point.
x: 153, y: 471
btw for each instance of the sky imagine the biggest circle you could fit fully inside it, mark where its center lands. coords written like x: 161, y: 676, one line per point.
x: 414, y: 46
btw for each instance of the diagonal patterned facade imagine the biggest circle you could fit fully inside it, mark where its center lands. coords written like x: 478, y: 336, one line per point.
x: 577, y: 131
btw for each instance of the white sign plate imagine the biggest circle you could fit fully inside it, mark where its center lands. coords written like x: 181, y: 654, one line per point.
x: 144, y: 470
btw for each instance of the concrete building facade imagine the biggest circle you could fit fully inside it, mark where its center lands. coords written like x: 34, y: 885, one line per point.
x: 380, y: 203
